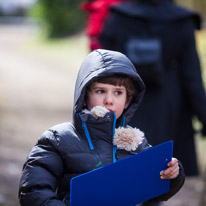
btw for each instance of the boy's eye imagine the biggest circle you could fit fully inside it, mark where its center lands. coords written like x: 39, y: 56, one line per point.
x: 118, y: 92
x: 100, y: 91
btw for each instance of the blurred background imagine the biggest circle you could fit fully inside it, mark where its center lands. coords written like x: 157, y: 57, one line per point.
x: 42, y: 45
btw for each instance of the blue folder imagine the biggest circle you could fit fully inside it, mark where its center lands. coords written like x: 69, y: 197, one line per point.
x: 126, y: 182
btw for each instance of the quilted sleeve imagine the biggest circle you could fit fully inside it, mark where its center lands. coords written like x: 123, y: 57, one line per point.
x: 40, y: 174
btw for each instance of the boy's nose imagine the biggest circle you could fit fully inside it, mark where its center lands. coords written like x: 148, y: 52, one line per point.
x: 108, y: 99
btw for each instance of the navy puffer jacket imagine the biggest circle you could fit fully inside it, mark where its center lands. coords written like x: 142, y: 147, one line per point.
x: 66, y: 150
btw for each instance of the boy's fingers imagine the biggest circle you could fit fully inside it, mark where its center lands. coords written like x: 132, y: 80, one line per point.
x: 172, y: 166
x: 170, y: 173
x: 173, y: 162
x: 170, y: 170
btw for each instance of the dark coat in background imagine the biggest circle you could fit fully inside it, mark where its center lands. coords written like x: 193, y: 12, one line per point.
x: 166, y: 112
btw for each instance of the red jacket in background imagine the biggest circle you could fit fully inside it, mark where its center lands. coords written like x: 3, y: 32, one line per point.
x: 98, y: 10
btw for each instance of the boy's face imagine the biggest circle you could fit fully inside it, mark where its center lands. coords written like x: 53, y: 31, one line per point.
x: 114, y: 98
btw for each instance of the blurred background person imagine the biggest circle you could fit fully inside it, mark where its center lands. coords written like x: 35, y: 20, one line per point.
x: 158, y: 36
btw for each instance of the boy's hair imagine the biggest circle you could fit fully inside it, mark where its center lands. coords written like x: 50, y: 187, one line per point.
x: 118, y: 80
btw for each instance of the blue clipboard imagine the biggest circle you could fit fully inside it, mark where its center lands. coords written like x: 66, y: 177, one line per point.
x: 126, y: 182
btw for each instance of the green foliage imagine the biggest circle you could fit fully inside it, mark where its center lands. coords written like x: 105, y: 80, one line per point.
x: 58, y: 18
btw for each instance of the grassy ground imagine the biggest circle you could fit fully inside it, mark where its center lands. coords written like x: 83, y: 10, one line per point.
x: 70, y: 50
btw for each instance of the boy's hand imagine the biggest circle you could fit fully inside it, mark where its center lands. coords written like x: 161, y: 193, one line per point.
x: 172, y: 171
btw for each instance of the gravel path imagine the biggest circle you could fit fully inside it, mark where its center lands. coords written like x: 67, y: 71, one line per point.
x: 36, y: 94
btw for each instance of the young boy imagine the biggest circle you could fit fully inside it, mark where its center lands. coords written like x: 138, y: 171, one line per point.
x: 108, y: 91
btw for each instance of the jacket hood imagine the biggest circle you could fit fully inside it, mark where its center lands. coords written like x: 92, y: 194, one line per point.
x: 166, y: 10
x: 103, y: 63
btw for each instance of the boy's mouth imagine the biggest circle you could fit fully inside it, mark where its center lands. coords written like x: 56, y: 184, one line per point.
x: 110, y: 110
